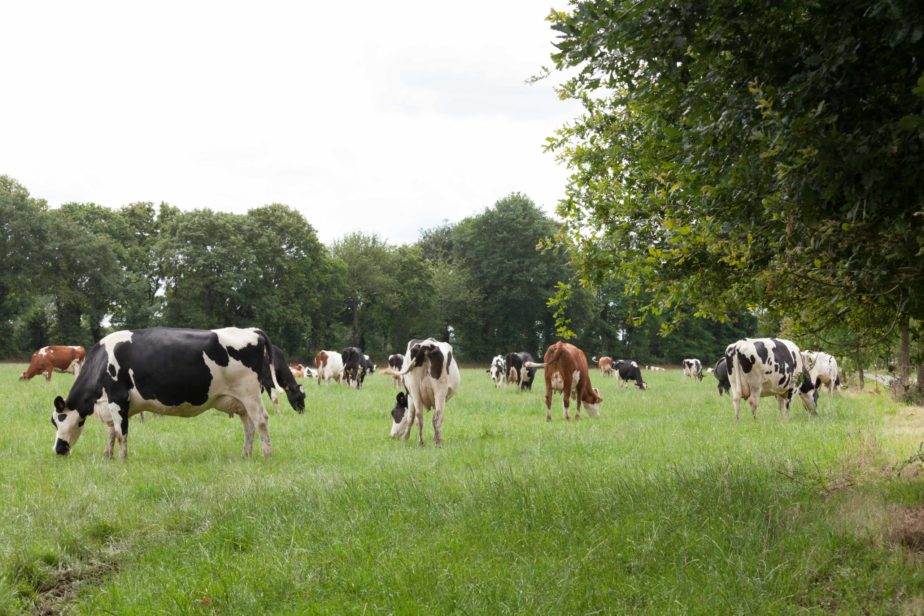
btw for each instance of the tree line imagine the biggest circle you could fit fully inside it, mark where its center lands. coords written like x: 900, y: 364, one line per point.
x: 73, y: 273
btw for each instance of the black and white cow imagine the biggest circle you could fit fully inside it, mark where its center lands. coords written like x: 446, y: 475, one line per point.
x: 286, y: 380
x: 517, y: 373
x: 693, y: 369
x: 721, y: 374
x: 759, y: 367
x: 626, y: 371
x: 353, y: 366
x: 431, y: 376
x: 395, y: 361
x: 823, y: 367
x: 498, y: 371
x: 180, y: 372
x: 368, y: 365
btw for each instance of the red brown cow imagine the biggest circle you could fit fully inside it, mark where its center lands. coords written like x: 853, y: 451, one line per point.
x: 60, y: 358
x: 606, y: 365
x: 571, y: 364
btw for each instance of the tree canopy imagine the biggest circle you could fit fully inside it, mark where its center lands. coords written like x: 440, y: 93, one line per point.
x: 741, y: 154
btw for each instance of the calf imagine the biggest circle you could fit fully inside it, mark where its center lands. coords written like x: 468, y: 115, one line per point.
x: 498, y: 371
x: 721, y: 374
x: 517, y: 372
x: 566, y: 363
x: 628, y: 371
x: 50, y: 358
x: 431, y: 375
x: 769, y: 367
x: 606, y: 365
x: 823, y: 367
x: 180, y: 372
x: 693, y: 369
x: 285, y: 380
x: 329, y: 365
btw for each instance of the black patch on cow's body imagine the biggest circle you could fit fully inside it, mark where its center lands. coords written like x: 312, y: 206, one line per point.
x: 762, y: 352
x: 216, y: 352
x: 168, y: 366
x: 746, y: 363
x: 395, y: 361
x: 435, y: 355
x: 112, y: 371
x: 449, y: 360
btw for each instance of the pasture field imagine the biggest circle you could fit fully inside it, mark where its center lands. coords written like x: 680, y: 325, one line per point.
x: 662, y: 505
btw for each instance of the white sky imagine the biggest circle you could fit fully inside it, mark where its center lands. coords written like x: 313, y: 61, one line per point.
x: 380, y: 117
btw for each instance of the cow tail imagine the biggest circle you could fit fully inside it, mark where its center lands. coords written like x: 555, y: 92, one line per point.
x: 735, y: 373
x: 268, y: 362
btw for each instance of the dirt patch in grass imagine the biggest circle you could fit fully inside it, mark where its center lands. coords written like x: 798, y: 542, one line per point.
x: 909, y: 529
x: 60, y: 590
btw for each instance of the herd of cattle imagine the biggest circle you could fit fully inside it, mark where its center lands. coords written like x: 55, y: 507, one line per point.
x: 184, y: 372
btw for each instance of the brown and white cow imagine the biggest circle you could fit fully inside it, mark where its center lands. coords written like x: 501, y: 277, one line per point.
x: 329, y: 365
x: 297, y: 370
x: 49, y: 358
x: 605, y: 364
x: 571, y: 365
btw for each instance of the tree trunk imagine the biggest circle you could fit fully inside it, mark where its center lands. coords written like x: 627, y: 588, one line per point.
x: 355, y: 336
x: 860, y: 374
x: 920, y: 332
x: 904, y: 358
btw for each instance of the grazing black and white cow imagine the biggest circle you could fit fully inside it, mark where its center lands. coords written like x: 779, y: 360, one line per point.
x: 353, y: 366
x: 180, y: 372
x: 286, y: 380
x: 395, y: 361
x: 759, y: 367
x: 721, y: 374
x: 823, y: 367
x: 368, y: 365
x: 431, y: 376
x: 626, y: 371
x: 693, y: 369
x: 498, y: 371
x: 517, y: 373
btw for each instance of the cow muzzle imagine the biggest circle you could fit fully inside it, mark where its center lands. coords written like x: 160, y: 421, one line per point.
x: 62, y: 448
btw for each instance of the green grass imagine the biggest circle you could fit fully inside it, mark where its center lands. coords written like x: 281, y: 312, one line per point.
x: 662, y: 505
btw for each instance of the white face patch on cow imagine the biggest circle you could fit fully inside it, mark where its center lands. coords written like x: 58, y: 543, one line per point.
x: 69, y: 426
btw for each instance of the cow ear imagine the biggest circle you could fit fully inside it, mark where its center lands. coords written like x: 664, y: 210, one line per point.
x: 59, y: 404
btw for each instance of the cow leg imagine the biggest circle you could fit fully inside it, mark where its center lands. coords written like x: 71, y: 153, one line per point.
x: 438, y: 426
x: 419, y: 417
x: 754, y: 400
x: 274, y: 397
x: 111, y: 442
x: 249, y: 430
x: 257, y: 414
x: 548, y: 396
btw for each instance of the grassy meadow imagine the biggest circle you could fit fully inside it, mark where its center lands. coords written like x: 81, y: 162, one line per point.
x: 662, y: 505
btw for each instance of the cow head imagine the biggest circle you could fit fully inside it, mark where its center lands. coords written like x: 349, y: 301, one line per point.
x: 69, y: 424
x: 401, y: 418
x: 808, y: 391
x: 593, y: 405
x: 296, y: 396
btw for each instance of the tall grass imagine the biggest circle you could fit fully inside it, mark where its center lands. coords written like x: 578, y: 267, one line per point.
x: 664, y: 504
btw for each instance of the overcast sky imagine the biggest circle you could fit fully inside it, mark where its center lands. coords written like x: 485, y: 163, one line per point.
x: 381, y: 117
